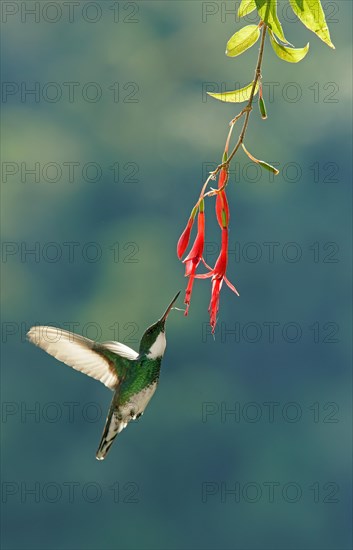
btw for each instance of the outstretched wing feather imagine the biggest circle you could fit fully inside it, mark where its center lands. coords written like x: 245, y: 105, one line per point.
x: 120, y: 349
x: 76, y: 352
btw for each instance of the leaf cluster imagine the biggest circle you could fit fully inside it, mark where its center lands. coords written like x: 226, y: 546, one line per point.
x: 309, y: 12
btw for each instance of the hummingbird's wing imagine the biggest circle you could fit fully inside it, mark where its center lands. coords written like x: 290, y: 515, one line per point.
x: 120, y: 349
x: 81, y: 353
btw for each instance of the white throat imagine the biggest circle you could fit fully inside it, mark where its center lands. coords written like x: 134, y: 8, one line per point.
x: 158, y: 347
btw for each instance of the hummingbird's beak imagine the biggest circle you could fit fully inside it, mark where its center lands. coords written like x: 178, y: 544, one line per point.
x: 164, y: 318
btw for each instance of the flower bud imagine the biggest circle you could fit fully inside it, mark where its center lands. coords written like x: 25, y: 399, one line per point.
x: 184, y: 238
x: 262, y: 108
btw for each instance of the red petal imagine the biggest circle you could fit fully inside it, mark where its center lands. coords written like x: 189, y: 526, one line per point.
x: 222, y: 204
x: 204, y: 275
x: 188, y: 293
x: 197, y: 248
x: 214, y: 303
x: 232, y: 287
x: 206, y: 265
x: 184, y: 239
x: 221, y: 199
x: 223, y: 176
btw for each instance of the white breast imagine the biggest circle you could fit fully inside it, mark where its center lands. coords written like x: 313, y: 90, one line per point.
x: 158, y: 348
x: 137, y: 403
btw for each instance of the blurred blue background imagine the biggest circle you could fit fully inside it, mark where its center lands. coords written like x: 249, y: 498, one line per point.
x: 118, y: 133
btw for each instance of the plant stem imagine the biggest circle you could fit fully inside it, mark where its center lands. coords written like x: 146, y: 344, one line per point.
x: 249, y: 105
x: 246, y: 111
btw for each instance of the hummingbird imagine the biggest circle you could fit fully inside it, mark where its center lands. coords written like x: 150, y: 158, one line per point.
x: 132, y: 376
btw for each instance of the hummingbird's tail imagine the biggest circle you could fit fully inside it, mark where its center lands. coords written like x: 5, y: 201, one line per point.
x: 113, y: 425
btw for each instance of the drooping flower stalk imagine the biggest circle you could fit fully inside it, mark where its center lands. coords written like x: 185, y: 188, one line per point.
x: 195, y: 256
x: 240, y: 42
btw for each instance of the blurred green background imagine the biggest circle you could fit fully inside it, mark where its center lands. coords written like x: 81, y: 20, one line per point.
x: 118, y: 132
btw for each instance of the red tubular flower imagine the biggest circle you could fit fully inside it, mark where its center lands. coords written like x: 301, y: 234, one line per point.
x: 221, y: 199
x: 184, y: 238
x: 195, y: 256
x: 218, y: 274
x: 222, y: 207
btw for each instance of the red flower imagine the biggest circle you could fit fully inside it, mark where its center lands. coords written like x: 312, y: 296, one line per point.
x: 184, y: 238
x: 218, y: 274
x: 195, y: 256
x: 221, y: 200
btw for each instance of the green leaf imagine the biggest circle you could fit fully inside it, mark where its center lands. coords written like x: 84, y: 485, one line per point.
x: 311, y: 14
x: 238, y: 96
x: 242, y: 40
x: 268, y: 167
x: 267, y: 10
x: 292, y: 55
x: 246, y: 6
x: 262, y: 163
